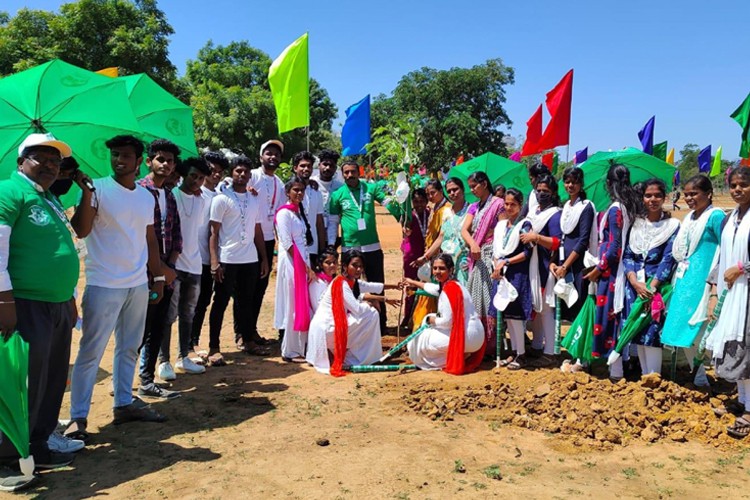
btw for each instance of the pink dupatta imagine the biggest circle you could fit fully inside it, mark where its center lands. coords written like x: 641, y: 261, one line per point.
x: 302, y: 305
x: 487, y: 222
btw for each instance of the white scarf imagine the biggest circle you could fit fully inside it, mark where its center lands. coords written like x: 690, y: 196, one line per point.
x: 731, y: 324
x: 538, y: 221
x: 646, y: 235
x: 502, y: 246
x: 569, y: 219
x: 620, y: 273
x: 685, y: 244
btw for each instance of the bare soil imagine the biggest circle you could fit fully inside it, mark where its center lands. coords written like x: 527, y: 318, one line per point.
x: 262, y: 428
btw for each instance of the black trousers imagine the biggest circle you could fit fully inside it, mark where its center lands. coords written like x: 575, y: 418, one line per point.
x: 156, y: 323
x: 241, y: 282
x: 260, y: 292
x: 375, y: 273
x: 47, y: 327
x: 204, y: 299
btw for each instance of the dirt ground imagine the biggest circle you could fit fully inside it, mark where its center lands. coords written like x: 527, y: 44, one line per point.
x: 262, y: 428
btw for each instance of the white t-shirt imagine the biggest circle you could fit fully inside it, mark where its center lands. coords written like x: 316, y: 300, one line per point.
x: 312, y: 204
x: 204, y: 231
x: 238, y: 214
x: 191, y: 209
x: 117, y: 246
x: 326, y: 188
x: 271, y: 197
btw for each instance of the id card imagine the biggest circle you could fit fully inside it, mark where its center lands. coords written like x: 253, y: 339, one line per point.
x: 641, y: 275
x: 681, y: 268
x: 361, y: 226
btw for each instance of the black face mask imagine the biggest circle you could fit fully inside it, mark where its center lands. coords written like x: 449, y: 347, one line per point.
x: 61, y: 187
x: 544, y: 198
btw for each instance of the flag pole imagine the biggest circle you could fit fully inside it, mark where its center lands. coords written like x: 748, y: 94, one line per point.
x: 307, y: 136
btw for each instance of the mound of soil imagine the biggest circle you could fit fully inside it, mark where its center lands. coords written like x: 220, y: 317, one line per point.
x: 584, y: 408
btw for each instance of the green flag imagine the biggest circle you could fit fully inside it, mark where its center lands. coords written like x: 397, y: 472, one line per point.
x: 716, y: 166
x: 660, y: 151
x: 742, y: 116
x: 289, y: 79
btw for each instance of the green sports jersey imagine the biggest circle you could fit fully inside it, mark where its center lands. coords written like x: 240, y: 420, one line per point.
x: 353, y: 204
x: 42, y: 261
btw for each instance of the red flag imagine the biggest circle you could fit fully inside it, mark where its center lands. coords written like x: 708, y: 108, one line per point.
x: 548, y: 160
x: 533, y: 134
x: 745, y: 162
x: 559, y: 101
x: 460, y: 160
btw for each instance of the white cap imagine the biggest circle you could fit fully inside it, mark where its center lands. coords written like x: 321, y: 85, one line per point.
x: 268, y: 143
x: 506, y: 293
x: 44, y: 140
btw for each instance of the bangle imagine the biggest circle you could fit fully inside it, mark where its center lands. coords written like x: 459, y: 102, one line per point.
x: 158, y: 279
x: 740, y: 267
x: 7, y: 302
x: 712, y: 295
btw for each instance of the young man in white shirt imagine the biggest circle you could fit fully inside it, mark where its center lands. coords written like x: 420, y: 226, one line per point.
x: 190, y: 205
x: 219, y: 170
x: 271, y: 195
x: 117, y: 221
x: 327, y: 180
x: 238, y: 256
x: 312, y: 203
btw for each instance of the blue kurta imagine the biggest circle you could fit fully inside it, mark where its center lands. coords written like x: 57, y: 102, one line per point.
x: 577, y: 241
x: 688, y: 290
x: 518, y: 276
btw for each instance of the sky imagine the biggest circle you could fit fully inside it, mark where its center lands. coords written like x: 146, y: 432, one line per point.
x: 682, y: 61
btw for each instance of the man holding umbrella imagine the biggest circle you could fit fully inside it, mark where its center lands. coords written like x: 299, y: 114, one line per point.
x: 36, y: 242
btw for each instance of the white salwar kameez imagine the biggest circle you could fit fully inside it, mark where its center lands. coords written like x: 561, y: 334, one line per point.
x: 429, y: 349
x: 363, y: 341
x: 290, y: 229
x: 317, y: 288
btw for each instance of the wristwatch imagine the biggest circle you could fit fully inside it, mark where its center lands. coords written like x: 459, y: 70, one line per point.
x: 159, y: 278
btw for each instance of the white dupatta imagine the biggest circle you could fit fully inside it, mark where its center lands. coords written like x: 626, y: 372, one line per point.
x: 730, y: 326
x: 538, y: 222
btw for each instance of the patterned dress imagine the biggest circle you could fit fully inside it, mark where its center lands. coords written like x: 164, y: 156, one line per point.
x: 606, y: 321
x: 659, y: 264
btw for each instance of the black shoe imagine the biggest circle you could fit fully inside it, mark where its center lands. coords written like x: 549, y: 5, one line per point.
x: 155, y: 391
x: 53, y: 460
x: 12, y: 480
x: 137, y: 411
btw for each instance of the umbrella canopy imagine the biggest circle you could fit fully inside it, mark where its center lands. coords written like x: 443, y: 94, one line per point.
x: 14, y: 392
x: 639, y: 317
x: 160, y: 114
x: 77, y: 106
x: 642, y: 167
x: 500, y: 170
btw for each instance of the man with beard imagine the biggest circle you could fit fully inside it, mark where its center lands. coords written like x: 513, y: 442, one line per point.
x: 219, y: 167
x: 190, y: 205
x: 161, y: 161
x: 238, y: 256
x: 327, y: 181
x: 118, y: 224
x: 312, y: 203
x: 271, y: 196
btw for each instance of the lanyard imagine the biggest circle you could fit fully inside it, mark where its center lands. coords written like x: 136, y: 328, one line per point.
x: 360, y: 205
x: 271, y: 199
x: 80, y: 246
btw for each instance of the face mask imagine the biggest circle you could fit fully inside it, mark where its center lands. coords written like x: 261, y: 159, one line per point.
x: 544, y: 198
x: 61, y: 187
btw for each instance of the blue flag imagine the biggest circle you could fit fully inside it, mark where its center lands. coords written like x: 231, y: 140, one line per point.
x: 704, y: 159
x: 676, y: 182
x: 646, y: 135
x: 582, y: 155
x: 356, y: 132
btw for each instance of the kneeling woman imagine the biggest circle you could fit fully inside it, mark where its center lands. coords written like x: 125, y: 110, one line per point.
x: 455, y: 332
x: 342, y: 324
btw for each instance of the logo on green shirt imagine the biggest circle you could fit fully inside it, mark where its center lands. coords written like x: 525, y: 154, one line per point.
x: 39, y: 216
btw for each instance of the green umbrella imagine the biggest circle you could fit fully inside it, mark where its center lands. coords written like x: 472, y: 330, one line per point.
x: 14, y: 395
x: 640, y: 317
x: 79, y: 107
x: 500, y: 171
x: 160, y: 114
x: 642, y: 167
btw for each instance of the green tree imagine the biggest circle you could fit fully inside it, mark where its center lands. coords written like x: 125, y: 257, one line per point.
x: 688, y: 164
x: 233, y: 107
x: 92, y: 34
x: 459, y: 111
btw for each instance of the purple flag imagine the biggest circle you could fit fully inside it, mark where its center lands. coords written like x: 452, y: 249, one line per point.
x: 515, y: 156
x: 676, y: 182
x: 704, y: 159
x: 646, y: 135
x: 582, y: 155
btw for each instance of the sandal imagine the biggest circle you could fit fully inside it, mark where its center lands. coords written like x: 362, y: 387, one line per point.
x: 76, y: 429
x: 518, y: 363
x: 256, y: 350
x: 216, y: 359
x: 740, y: 429
x: 507, y: 361
x: 734, y: 407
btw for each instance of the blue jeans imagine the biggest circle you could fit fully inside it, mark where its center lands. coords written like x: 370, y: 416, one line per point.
x: 104, y: 310
x: 187, y: 288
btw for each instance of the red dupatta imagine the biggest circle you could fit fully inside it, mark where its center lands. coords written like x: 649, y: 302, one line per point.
x: 456, y: 362
x: 301, y: 291
x: 340, y: 325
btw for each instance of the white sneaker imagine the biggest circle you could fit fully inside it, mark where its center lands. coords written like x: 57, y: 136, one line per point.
x: 186, y: 365
x: 166, y: 372
x: 63, y: 444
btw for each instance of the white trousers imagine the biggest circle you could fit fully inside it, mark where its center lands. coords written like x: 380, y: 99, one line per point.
x: 517, y: 331
x: 543, y: 329
x: 650, y: 359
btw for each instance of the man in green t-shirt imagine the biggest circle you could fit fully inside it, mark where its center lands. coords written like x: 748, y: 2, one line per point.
x: 353, y: 205
x: 39, y: 267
